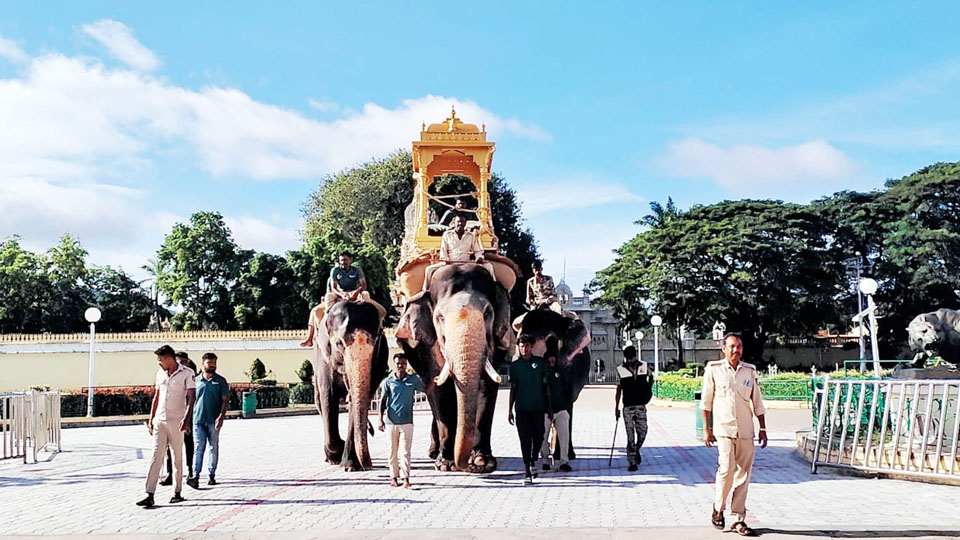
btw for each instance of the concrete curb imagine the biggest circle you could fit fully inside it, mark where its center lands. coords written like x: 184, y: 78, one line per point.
x: 102, y: 421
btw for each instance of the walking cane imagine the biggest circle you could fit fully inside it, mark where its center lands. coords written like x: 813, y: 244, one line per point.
x: 616, y: 428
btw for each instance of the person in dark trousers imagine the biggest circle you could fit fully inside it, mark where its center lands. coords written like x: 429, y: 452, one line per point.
x: 530, y: 395
x: 635, y: 386
x: 184, y: 360
x: 561, y: 391
x: 213, y: 398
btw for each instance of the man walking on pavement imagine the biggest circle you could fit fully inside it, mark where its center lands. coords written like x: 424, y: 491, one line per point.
x: 731, y: 393
x: 531, y: 395
x: 213, y: 398
x: 635, y: 386
x: 170, y: 416
x: 399, y: 390
x: 561, y: 391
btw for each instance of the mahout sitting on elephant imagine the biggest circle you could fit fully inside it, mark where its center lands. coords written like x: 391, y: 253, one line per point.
x: 350, y: 358
x: 935, y: 334
x: 574, y: 357
x: 459, y: 332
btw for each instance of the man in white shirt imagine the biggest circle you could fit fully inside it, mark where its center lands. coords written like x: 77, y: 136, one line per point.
x: 458, y: 246
x: 170, y: 417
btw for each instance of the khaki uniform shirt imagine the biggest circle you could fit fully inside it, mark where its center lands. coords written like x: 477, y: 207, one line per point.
x: 734, y: 397
x: 543, y: 292
x: 455, y: 248
x: 172, y: 389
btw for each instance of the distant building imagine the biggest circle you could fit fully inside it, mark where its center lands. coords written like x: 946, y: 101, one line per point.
x: 605, y: 344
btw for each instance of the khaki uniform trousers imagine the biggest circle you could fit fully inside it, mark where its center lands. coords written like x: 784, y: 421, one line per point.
x: 735, y: 464
x: 402, y: 469
x: 166, y: 434
x: 561, y: 422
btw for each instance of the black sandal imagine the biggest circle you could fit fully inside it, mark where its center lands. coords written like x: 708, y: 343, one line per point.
x: 717, y: 519
x: 742, y: 529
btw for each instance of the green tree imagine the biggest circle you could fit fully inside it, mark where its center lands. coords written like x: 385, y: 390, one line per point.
x: 265, y: 296
x: 69, y: 294
x: 125, y: 306
x: 204, y: 264
x: 765, y: 268
x: 156, y: 271
x: 24, y: 288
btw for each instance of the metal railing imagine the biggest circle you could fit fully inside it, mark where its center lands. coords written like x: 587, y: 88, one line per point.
x: 907, y: 427
x: 29, y: 423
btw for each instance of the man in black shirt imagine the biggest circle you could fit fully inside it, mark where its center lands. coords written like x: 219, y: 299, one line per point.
x: 531, y: 396
x: 636, y: 386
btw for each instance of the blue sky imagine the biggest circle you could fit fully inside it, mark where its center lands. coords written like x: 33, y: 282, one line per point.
x: 119, y: 119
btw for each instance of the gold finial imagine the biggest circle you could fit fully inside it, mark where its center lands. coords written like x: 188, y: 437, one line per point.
x: 453, y: 112
x: 483, y: 126
x: 423, y: 126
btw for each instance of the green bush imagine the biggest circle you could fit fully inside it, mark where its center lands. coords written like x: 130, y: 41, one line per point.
x: 110, y: 401
x: 257, y: 371
x: 265, y: 382
x: 676, y: 387
x: 305, y: 373
x: 301, y: 393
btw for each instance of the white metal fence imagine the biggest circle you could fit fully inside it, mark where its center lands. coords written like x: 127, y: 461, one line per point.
x: 907, y: 427
x: 29, y: 423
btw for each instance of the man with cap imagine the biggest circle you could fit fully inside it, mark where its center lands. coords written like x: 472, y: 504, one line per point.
x: 635, y: 386
x: 530, y: 396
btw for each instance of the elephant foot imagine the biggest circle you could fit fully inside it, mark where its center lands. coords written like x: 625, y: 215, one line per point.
x: 482, y: 464
x: 334, y: 456
x: 444, y: 465
x: 351, y: 465
x: 434, y: 453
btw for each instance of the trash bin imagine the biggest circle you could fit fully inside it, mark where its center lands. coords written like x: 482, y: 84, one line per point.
x: 249, y: 409
x: 699, y: 414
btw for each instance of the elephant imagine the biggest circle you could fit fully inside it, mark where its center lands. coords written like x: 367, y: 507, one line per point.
x: 935, y: 334
x: 573, y: 340
x: 459, y: 331
x: 350, y: 359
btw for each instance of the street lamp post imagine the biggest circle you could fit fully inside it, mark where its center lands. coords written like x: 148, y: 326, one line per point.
x: 639, y: 336
x: 656, y: 321
x: 92, y: 315
x: 868, y: 287
x: 855, y: 266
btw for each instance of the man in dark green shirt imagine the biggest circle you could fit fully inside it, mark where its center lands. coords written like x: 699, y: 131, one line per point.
x: 530, y: 395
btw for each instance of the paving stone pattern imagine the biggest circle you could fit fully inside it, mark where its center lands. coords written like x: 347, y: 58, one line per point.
x: 273, y: 478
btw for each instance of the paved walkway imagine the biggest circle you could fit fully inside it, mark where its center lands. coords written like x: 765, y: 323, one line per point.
x: 274, y: 480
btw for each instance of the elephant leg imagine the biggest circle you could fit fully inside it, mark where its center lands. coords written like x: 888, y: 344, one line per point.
x: 434, y: 440
x: 482, y: 460
x: 446, y: 421
x: 329, y: 404
x: 351, y: 462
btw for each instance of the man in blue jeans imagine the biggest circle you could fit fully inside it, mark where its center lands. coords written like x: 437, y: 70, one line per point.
x: 213, y: 397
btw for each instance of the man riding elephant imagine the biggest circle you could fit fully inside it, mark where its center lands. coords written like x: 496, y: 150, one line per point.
x: 346, y: 283
x: 459, y: 329
x: 541, y: 294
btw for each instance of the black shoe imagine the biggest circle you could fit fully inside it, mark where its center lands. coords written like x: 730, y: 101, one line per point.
x: 176, y: 498
x: 168, y: 481
x: 632, y: 467
x: 193, y: 482
x: 146, y: 502
x: 527, y: 479
x: 545, y: 466
x: 212, y: 481
x: 565, y: 468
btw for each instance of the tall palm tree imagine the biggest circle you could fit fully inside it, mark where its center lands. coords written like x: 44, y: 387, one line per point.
x: 157, y: 270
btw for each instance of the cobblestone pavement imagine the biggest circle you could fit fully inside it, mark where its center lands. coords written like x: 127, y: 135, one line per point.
x: 273, y: 479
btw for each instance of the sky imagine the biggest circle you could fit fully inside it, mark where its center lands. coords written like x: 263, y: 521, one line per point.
x: 119, y: 119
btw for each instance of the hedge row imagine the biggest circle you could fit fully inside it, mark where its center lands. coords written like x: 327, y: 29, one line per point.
x: 787, y: 386
x: 132, y: 400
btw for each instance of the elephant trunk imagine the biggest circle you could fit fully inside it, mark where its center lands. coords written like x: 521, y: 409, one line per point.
x: 358, y: 358
x: 466, y: 352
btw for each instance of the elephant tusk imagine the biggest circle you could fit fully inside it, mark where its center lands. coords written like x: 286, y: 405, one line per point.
x: 444, y: 373
x: 491, y: 372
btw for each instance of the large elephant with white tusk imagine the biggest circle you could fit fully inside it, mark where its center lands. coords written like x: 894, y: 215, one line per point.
x: 458, y: 332
x: 350, y: 359
x: 574, y: 356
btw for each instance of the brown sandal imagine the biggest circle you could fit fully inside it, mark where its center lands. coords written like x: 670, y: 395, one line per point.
x: 717, y: 520
x: 742, y: 529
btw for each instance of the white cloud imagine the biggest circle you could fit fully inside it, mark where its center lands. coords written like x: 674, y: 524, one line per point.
x: 324, y: 105
x: 10, y: 50
x: 120, y: 43
x: 747, y: 166
x: 260, y: 235
x: 542, y: 197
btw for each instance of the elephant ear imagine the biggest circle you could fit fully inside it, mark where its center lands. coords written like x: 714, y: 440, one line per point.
x: 502, y: 328
x: 416, y: 323
x: 574, y: 338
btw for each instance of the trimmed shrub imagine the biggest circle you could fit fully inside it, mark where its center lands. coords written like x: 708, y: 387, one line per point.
x: 110, y: 401
x: 268, y: 397
x: 301, y: 393
x: 305, y: 373
x: 257, y: 371
x: 676, y: 387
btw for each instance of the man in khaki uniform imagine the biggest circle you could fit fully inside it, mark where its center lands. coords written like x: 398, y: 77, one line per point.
x: 731, y: 393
